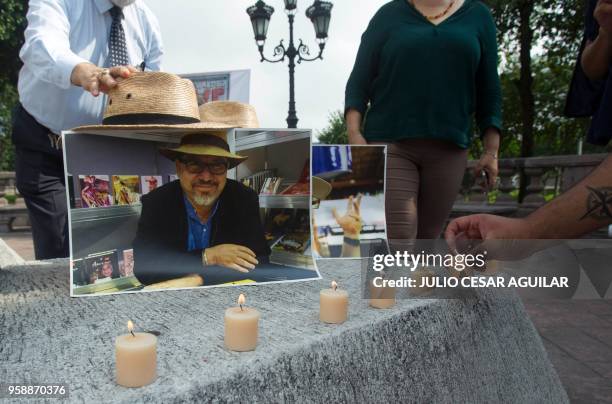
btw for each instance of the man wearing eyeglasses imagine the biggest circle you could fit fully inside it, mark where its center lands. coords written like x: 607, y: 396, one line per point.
x: 204, y: 223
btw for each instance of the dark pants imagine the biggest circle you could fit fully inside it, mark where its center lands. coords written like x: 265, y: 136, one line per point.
x: 40, y: 180
x: 423, y: 180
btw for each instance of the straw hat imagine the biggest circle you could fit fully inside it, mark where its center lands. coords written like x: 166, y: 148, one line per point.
x: 166, y: 103
x: 204, y: 144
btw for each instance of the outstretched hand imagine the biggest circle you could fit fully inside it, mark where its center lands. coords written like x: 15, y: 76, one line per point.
x: 95, y: 80
x: 351, y: 221
x: 500, y: 237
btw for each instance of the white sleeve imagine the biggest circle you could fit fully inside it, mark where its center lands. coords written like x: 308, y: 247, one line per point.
x: 155, y: 51
x: 46, y: 50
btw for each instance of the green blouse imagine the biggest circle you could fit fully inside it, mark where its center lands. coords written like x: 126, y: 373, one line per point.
x: 427, y: 81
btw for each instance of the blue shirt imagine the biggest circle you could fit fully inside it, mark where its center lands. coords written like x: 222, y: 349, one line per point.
x: 64, y: 33
x: 199, y: 233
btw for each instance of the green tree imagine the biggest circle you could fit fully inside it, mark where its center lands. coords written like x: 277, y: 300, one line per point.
x: 552, y: 28
x: 335, y: 132
x: 12, y: 26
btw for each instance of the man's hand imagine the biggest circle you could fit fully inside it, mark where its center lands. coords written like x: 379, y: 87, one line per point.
x: 486, y: 227
x: 95, y: 80
x: 499, y: 238
x: 351, y: 221
x: 603, y: 16
x: 231, y: 256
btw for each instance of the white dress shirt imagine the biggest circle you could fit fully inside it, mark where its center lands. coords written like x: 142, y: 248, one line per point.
x: 64, y: 33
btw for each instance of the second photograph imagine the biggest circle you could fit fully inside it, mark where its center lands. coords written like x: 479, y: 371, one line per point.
x: 348, y: 201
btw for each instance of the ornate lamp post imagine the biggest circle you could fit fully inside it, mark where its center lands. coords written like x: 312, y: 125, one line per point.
x: 319, y: 13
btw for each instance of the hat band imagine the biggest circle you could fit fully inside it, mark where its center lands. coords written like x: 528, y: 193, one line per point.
x: 148, y: 119
x: 205, y: 140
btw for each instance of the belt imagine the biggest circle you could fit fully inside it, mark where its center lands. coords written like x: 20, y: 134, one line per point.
x: 30, y: 134
x: 55, y: 140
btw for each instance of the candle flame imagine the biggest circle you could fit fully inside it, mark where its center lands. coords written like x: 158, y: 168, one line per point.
x: 241, y: 299
x: 130, y: 326
x: 334, y: 285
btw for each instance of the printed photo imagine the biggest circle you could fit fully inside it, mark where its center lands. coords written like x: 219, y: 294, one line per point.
x: 80, y: 275
x: 103, y: 267
x: 150, y: 182
x: 207, y: 229
x: 126, y: 265
x: 126, y: 189
x: 95, y: 191
x: 348, y: 201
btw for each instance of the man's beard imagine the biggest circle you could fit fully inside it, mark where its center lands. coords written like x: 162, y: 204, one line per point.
x: 204, y: 200
x: 122, y: 3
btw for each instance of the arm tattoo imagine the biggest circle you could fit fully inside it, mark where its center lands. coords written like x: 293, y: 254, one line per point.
x: 599, y: 204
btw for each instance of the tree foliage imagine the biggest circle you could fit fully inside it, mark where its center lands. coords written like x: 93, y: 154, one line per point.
x: 12, y: 26
x: 335, y: 132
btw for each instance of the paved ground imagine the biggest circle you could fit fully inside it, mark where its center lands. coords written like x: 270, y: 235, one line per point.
x: 576, y: 334
x: 21, y: 242
x: 578, y: 338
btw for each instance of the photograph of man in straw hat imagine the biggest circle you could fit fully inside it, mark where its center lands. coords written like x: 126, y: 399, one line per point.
x: 203, y: 223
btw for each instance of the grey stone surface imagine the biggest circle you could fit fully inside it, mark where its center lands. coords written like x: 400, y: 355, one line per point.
x: 577, y: 335
x: 479, y: 350
x: 8, y: 256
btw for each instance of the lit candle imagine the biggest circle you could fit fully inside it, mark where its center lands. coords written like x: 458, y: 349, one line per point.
x: 136, y: 358
x: 241, y: 327
x: 333, y: 305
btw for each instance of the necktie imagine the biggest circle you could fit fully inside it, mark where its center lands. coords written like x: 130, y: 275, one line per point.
x: 116, y: 45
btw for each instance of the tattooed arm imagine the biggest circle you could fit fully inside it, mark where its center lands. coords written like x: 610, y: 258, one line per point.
x: 584, y: 208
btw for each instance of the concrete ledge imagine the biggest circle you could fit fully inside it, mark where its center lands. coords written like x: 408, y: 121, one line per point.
x: 8, y: 256
x: 479, y: 350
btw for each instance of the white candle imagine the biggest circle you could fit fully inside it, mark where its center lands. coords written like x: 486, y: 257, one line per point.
x: 423, y: 277
x: 135, y: 358
x: 381, y: 297
x: 333, y: 305
x: 241, y: 327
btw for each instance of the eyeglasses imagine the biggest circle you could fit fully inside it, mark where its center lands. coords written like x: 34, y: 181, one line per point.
x: 198, y: 167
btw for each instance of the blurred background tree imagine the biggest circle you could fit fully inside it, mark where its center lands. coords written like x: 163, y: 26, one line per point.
x: 12, y: 26
x: 335, y: 132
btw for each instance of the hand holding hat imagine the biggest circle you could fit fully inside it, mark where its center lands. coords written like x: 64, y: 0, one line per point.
x: 95, y: 79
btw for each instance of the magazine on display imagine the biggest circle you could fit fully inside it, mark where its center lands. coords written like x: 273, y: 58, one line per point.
x: 150, y: 182
x: 95, y: 191
x: 126, y: 189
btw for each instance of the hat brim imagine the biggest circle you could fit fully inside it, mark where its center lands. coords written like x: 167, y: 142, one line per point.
x: 203, y: 150
x: 320, y: 188
x: 199, y: 127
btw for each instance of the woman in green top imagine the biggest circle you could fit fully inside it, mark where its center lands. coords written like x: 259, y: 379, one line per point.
x: 426, y: 68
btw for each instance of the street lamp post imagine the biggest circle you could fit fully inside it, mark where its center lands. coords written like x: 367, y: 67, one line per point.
x: 319, y: 13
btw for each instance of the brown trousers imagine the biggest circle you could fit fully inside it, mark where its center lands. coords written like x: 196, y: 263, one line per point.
x: 423, y: 179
